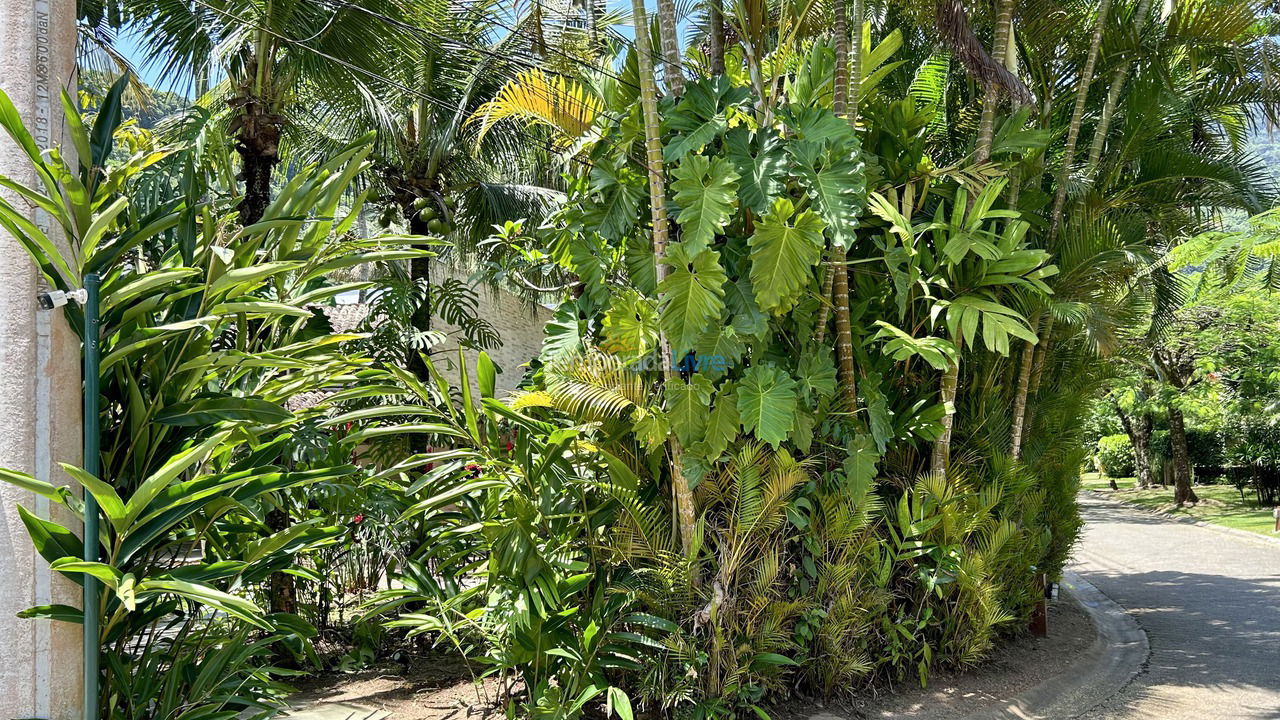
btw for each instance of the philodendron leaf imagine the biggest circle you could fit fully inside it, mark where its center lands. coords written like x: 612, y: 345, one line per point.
x: 767, y: 403
x: 724, y: 423
x: 761, y: 166
x: 706, y: 191
x: 688, y: 405
x: 691, y: 297
x: 860, y: 466
x: 834, y: 179
x: 784, y: 250
x: 630, y: 325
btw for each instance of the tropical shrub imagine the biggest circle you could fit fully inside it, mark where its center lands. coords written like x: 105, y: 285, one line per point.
x: 1115, y: 456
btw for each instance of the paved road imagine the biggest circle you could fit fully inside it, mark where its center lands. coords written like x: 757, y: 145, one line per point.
x: 1210, y: 604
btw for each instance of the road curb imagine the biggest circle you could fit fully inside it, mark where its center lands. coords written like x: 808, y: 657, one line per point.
x: 1245, y: 534
x: 1117, y: 656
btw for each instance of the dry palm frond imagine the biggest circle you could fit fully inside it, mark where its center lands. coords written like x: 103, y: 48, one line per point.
x: 953, y: 26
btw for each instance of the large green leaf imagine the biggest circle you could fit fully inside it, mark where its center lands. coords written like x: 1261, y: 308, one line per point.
x: 761, y: 166
x: 688, y: 405
x: 691, y: 296
x: 205, y: 595
x: 630, y: 325
x: 706, y: 192
x: 52, y: 540
x: 767, y: 403
x: 724, y: 423
x: 834, y: 179
x: 784, y: 251
x: 699, y: 117
x: 860, y: 466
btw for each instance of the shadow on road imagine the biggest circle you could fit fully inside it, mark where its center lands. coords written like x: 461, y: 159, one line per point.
x: 1210, y: 606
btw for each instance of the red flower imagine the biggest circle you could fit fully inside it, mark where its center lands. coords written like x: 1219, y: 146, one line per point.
x: 474, y: 469
x: 509, y: 446
x: 359, y: 518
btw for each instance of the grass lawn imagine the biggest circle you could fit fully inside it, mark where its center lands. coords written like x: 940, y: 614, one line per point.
x: 1223, y: 506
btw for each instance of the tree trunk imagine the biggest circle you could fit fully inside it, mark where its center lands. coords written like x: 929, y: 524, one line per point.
x: 420, y: 269
x: 658, y: 218
x: 716, y: 19
x: 855, y: 58
x: 1077, y: 117
x: 824, y: 308
x: 1113, y: 96
x: 1141, y: 439
x: 999, y: 47
x: 1182, y: 491
x: 667, y: 35
x: 282, y: 589
x: 258, y: 145
x: 1138, y: 428
x: 836, y: 267
x: 942, y: 446
x: 1020, y: 397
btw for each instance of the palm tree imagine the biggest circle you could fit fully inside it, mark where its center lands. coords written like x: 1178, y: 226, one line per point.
x: 686, y: 519
x: 271, y: 55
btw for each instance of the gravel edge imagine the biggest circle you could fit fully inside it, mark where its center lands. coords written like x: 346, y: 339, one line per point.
x: 1117, y: 656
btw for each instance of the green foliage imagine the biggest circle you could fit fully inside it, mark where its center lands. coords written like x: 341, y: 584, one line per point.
x: 207, y: 332
x: 1115, y: 456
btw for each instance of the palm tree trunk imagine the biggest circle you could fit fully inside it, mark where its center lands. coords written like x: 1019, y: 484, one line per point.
x: 840, y: 93
x: 1182, y: 491
x: 999, y: 48
x: 715, y: 18
x: 855, y: 59
x: 836, y: 267
x: 1020, y: 398
x: 824, y: 308
x: 1077, y: 117
x: 947, y: 391
x: 658, y: 217
x: 1113, y: 96
x: 667, y: 35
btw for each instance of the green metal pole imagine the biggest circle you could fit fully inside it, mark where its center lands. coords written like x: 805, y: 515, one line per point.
x: 92, y: 605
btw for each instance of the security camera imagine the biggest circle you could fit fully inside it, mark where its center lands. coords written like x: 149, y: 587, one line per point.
x: 58, y: 298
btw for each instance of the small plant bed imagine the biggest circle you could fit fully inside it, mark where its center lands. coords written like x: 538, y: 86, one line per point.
x: 1219, y: 504
x: 429, y: 687
x: 436, y: 687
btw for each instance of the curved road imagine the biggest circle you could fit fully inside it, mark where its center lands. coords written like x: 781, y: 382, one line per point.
x: 1209, y: 602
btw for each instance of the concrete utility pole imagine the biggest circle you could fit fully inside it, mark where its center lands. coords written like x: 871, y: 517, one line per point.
x: 40, y: 661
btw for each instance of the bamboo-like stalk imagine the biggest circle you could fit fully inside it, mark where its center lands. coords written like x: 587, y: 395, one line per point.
x: 1077, y: 118
x: 658, y: 217
x: 836, y: 268
x: 947, y: 391
x: 855, y: 59
x: 1020, y: 398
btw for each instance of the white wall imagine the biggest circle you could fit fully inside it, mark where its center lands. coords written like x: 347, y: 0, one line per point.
x: 40, y: 668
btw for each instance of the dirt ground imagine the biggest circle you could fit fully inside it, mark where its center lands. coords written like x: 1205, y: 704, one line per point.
x: 1013, y: 668
x: 430, y: 688
x: 441, y: 688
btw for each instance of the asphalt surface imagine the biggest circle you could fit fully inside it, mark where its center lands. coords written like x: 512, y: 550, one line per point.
x: 1209, y: 603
